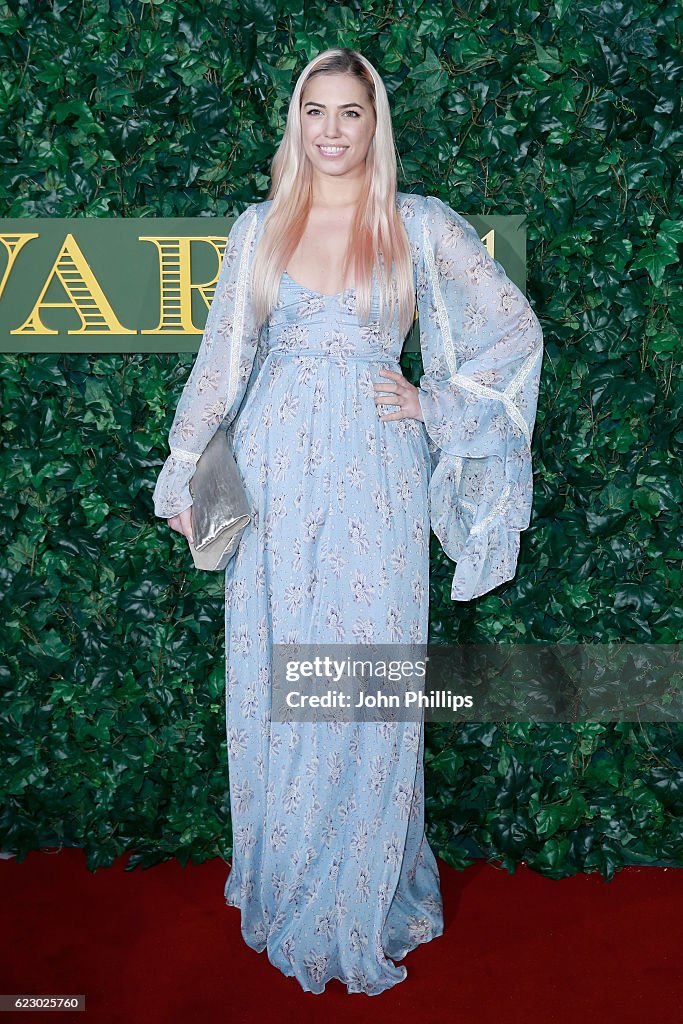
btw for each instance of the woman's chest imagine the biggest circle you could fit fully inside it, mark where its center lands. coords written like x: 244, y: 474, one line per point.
x: 317, y: 263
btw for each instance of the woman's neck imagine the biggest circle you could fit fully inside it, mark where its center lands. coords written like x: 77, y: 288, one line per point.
x: 336, y: 194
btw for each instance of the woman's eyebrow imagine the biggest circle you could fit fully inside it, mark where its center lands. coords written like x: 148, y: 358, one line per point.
x: 340, y: 106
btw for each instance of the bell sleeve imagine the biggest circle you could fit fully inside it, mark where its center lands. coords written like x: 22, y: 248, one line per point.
x: 217, y: 382
x: 482, y: 349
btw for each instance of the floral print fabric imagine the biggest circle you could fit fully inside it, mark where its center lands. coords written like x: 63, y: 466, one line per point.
x: 331, y: 868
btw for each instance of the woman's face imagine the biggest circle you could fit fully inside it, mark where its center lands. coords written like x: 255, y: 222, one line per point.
x: 337, y: 124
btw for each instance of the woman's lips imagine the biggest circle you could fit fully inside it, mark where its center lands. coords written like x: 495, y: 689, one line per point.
x: 334, y: 155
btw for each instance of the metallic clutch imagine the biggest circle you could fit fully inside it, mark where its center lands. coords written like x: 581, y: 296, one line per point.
x: 220, y: 507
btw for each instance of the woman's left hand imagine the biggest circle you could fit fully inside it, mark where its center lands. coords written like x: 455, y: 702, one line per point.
x: 398, y: 391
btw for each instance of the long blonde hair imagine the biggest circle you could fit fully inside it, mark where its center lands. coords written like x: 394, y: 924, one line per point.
x: 380, y: 239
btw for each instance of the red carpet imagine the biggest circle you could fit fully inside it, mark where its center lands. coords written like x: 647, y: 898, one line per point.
x: 160, y: 946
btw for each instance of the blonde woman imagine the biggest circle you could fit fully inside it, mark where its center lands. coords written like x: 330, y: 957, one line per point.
x: 346, y: 465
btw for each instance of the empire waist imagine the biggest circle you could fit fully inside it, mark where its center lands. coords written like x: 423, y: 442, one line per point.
x: 331, y: 354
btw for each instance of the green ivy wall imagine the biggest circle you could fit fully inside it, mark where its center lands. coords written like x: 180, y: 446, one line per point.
x: 112, y: 667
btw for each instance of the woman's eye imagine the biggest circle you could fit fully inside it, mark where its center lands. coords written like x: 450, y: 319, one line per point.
x: 312, y: 110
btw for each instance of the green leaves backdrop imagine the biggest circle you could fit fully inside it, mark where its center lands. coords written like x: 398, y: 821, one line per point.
x: 112, y: 666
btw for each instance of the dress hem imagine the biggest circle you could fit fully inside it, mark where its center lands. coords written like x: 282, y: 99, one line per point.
x: 262, y: 948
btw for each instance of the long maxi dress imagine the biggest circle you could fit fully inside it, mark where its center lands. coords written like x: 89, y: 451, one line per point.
x: 331, y: 867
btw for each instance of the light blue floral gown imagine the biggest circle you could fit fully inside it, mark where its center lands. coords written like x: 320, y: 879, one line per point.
x: 331, y: 868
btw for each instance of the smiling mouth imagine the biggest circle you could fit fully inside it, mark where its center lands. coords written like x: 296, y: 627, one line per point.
x: 332, y: 150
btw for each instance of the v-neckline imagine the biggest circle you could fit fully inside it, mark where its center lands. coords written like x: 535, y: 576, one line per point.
x: 312, y: 291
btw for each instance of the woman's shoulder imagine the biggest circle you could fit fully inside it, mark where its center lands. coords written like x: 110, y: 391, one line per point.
x: 411, y: 207
x: 424, y: 209
x: 412, y: 203
x: 439, y: 221
x: 260, y: 208
x: 244, y: 221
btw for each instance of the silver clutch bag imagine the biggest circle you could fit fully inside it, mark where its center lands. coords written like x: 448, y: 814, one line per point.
x: 220, y: 507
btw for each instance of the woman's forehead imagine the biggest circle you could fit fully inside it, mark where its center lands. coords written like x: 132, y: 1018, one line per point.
x: 337, y: 87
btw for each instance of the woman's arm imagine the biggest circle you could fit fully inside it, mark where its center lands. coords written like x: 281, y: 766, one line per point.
x: 218, y: 379
x: 482, y: 349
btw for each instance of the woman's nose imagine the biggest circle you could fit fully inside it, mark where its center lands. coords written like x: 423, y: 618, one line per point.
x: 332, y: 127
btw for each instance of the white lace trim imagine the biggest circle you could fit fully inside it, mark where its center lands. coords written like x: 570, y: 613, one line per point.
x: 519, y: 379
x: 499, y: 507
x: 180, y: 453
x: 484, y: 392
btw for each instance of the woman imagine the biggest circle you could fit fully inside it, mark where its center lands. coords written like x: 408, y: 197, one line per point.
x: 346, y: 464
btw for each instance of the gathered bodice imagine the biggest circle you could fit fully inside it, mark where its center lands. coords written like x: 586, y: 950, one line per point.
x: 307, y: 322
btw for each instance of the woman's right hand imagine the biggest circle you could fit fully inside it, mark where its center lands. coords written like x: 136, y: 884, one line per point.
x: 182, y: 523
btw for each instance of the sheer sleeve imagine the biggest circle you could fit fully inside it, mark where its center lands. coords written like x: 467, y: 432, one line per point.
x: 218, y: 379
x: 482, y: 349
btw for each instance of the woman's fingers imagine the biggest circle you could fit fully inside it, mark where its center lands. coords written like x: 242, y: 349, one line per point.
x: 386, y: 391
x: 398, y: 391
x: 182, y: 523
x: 186, y: 522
